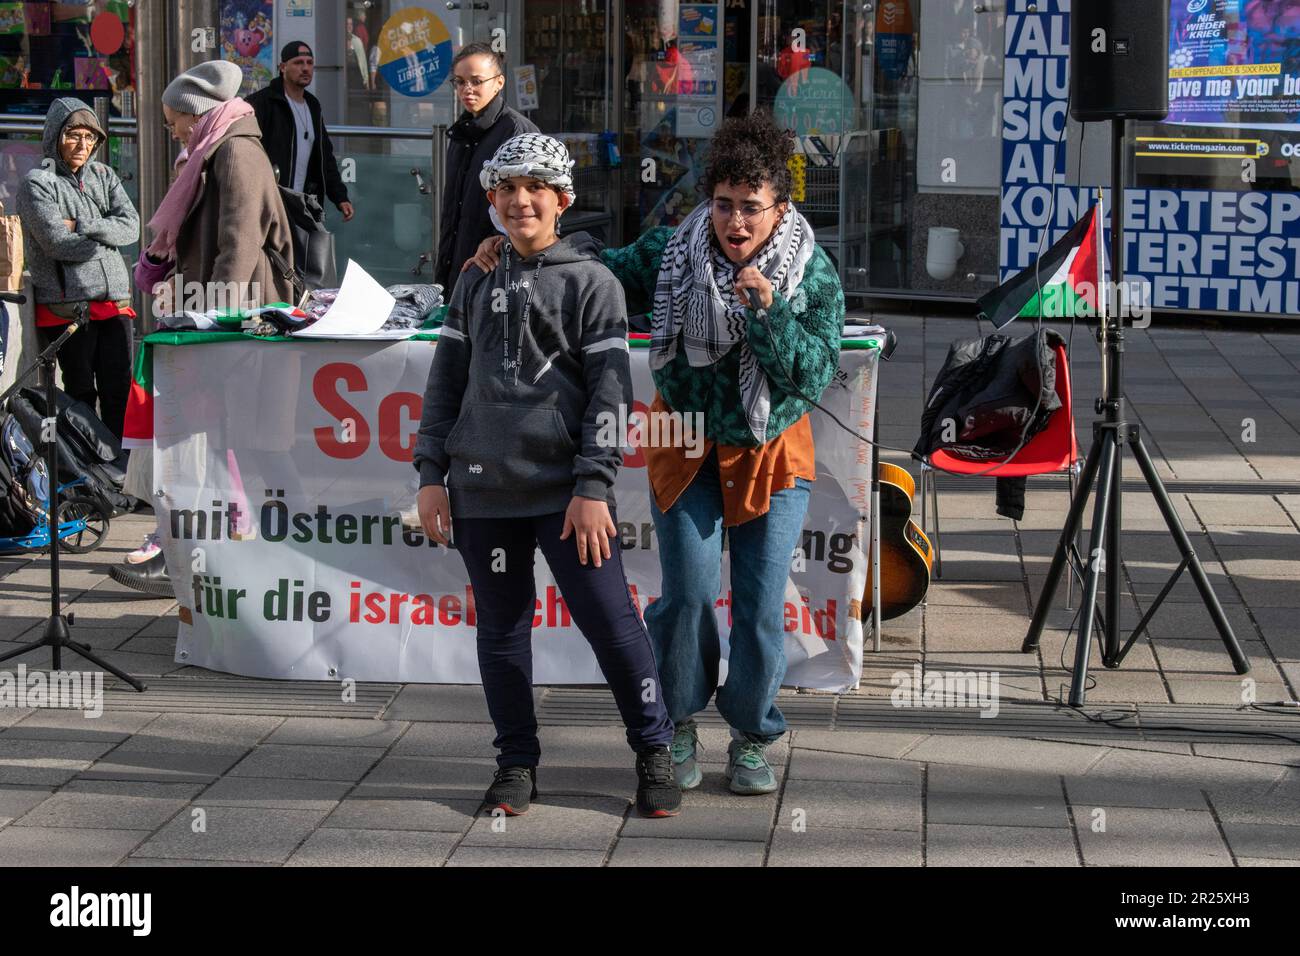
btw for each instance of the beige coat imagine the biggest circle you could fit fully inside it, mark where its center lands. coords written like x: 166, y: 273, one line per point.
x: 239, y: 216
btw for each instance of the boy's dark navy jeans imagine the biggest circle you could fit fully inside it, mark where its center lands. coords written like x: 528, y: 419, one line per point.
x: 599, y: 604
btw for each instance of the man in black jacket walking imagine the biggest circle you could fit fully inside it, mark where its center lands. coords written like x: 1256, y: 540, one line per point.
x: 294, y: 133
x: 478, y: 75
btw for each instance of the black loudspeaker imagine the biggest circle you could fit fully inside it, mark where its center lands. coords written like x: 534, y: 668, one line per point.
x: 1119, y: 59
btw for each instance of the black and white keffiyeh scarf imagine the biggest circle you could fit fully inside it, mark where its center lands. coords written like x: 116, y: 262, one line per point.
x: 530, y: 154
x: 696, y: 304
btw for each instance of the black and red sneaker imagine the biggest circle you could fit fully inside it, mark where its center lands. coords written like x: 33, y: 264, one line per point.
x: 512, y: 789
x: 657, y: 793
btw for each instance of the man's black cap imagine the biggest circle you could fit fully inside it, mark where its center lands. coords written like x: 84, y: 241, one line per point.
x: 295, y: 49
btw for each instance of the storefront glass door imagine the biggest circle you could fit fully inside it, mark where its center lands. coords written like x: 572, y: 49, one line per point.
x: 850, y: 79
x: 685, y: 66
x: 806, y: 74
x: 931, y: 86
x: 564, y: 84
x: 48, y: 51
x: 383, y: 77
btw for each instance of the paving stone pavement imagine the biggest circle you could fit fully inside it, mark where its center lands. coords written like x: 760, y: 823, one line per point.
x: 845, y: 798
x: 137, y: 787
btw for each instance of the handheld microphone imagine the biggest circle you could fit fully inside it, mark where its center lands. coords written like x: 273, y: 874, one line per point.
x: 754, y: 302
x: 17, y: 298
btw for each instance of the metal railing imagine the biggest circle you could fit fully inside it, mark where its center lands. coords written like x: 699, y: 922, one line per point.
x: 381, y: 132
x: 34, y: 124
x: 437, y: 137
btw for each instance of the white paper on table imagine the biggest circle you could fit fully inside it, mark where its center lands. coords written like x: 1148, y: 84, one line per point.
x: 360, y: 309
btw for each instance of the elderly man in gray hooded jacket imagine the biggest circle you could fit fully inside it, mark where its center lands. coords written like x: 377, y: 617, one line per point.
x: 75, y: 215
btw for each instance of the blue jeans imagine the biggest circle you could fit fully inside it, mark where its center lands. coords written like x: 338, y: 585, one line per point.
x: 682, y: 624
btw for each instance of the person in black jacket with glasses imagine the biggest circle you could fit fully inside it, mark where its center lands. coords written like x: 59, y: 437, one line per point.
x: 294, y: 134
x: 478, y: 75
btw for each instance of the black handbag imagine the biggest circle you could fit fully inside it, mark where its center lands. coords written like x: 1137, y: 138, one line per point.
x: 313, y: 244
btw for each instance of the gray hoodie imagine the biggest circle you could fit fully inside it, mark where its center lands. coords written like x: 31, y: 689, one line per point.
x: 82, y: 265
x: 530, y: 360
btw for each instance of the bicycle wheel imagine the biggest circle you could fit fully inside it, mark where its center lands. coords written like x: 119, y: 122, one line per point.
x: 90, y: 525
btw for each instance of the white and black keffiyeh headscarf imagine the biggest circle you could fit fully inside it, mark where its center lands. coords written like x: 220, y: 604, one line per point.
x: 530, y: 154
x: 696, y: 304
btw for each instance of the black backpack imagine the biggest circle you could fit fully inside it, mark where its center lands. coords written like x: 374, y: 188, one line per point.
x: 87, y: 449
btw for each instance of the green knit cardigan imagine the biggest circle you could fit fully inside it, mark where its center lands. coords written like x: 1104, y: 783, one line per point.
x: 803, y: 347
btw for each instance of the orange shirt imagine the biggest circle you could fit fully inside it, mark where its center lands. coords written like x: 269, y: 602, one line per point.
x: 749, y: 476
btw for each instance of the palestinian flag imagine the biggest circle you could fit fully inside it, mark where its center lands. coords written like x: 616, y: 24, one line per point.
x: 137, y: 429
x: 1070, y: 273
x: 217, y: 325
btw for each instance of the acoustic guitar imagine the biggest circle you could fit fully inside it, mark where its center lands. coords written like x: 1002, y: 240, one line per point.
x: 905, y: 554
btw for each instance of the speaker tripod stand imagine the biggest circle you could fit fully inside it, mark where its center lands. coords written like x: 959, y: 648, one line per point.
x: 1104, y: 468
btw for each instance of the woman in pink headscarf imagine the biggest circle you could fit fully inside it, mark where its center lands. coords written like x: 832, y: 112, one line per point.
x: 221, y: 231
x: 222, y: 221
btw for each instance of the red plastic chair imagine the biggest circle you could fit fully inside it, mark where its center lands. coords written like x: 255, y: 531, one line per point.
x: 1053, y: 451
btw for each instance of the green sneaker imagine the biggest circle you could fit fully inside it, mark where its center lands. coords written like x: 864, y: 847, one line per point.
x: 685, y: 742
x: 748, y: 769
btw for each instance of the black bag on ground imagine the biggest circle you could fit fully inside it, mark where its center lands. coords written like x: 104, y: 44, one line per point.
x: 313, y: 244
x: 87, y: 449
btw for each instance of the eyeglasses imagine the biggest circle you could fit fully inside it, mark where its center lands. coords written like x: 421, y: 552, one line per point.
x: 473, y: 82
x: 749, y: 212
x: 80, y: 139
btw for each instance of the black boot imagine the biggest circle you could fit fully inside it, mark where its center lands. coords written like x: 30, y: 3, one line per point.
x: 147, y: 576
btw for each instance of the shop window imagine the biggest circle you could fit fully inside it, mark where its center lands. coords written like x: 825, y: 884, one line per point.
x: 49, y: 50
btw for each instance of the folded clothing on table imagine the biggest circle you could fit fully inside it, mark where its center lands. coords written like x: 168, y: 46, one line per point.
x: 414, y: 304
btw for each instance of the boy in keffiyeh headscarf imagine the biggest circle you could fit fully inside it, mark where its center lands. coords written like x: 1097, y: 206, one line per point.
x: 531, y: 361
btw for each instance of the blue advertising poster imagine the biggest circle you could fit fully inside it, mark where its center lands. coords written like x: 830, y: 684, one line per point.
x: 414, y: 51
x: 1235, y: 63
x: 1203, y: 249
x: 1036, y: 78
x: 698, y: 20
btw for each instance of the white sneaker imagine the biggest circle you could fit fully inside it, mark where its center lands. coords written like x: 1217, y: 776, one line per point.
x: 151, y: 545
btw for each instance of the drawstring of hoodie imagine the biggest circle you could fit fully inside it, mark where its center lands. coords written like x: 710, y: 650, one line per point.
x: 524, y: 320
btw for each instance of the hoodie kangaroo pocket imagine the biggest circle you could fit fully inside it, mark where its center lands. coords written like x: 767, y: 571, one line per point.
x: 501, y: 447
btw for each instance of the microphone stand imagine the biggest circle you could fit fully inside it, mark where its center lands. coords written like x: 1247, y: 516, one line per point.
x: 56, y: 635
